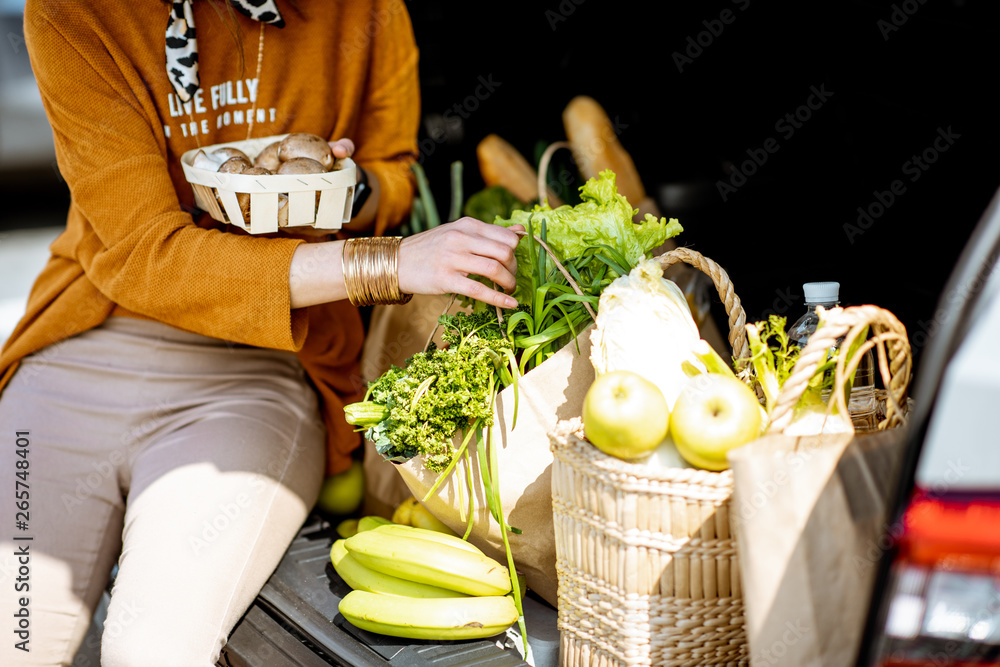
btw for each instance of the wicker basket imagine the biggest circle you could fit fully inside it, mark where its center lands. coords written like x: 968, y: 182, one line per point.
x: 646, y: 560
x: 322, y: 201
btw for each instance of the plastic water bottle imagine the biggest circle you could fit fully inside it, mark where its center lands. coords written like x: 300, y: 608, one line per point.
x: 863, y: 404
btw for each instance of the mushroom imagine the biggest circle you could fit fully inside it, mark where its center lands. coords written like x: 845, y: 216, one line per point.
x: 244, y: 197
x: 268, y: 157
x: 282, y: 210
x: 301, y: 165
x: 235, y: 165
x: 301, y: 144
x: 225, y: 153
x: 203, y: 160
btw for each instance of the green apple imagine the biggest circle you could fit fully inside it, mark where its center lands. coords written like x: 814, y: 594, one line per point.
x: 421, y: 517
x: 347, y: 528
x: 404, y: 511
x: 625, y: 415
x: 342, y: 493
x: 713, y: 414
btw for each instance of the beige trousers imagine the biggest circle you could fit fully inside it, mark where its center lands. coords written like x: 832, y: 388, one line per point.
x: 190, y: 461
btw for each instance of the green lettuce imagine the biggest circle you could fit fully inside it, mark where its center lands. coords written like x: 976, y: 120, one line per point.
x: 603, y: 217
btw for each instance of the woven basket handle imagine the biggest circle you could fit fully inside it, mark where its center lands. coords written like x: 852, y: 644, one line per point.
x: 543, y: 168
x: 734, y: 309
x: 888, y: 337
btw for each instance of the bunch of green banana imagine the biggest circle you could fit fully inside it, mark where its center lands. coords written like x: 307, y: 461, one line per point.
x: 421, y: 584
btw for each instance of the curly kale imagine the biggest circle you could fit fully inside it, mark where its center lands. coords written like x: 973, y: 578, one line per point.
x: 481, y: 324
x: 440, y: 392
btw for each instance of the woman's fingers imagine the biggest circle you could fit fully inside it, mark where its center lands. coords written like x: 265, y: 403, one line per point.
x: 342, y: 148
x: 440, y: 261
x: 480, y: 292
x: 489, y: 252
x: 492, y: 260
x: 492, y: 269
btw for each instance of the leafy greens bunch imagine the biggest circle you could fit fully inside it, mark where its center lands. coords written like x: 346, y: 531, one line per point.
x: 773, y: 356
x: 602, y: 219
x: 441, y: 391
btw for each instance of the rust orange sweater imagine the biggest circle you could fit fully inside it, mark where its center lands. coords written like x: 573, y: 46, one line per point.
x: 134, y: 245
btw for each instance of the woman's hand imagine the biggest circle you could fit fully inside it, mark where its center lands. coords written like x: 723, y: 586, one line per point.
x: 440, y: 260
x: 342, y: 148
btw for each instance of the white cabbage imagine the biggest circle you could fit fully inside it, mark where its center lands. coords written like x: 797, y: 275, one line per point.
x: 664, y: 457
x: 644, y: 325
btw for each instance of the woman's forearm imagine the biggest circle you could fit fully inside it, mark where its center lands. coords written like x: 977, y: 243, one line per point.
x: 316, y: 274
x: 441, y: 260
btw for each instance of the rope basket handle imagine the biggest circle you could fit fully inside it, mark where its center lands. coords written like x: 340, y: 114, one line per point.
x: 543, y: 168
x: 724, y: 286
x: 888, y: 338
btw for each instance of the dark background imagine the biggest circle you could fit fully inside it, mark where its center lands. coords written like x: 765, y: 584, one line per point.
x: 891, y: 90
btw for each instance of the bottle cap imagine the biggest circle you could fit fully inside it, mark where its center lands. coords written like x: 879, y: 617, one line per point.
x: 828, y: 292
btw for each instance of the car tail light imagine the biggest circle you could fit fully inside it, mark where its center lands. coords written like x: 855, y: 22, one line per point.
x: 943, y: 594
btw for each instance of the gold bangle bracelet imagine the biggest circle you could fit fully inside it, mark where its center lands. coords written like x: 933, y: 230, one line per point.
x: 371, y: 271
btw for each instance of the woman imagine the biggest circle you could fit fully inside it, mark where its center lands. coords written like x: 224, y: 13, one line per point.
x: 174, y: 392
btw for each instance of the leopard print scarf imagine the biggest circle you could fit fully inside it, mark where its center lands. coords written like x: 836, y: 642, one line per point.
x: 182, y: 47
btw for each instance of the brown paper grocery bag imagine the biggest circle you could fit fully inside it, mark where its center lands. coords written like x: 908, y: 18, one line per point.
x: 810, y: 512
x: 552, y: 391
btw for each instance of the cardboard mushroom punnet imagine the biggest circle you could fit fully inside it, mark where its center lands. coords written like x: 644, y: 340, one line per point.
x: 313, y: 196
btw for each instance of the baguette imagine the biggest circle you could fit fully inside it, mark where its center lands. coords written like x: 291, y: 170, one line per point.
x: 501, y: 164
x: 595, y: 147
